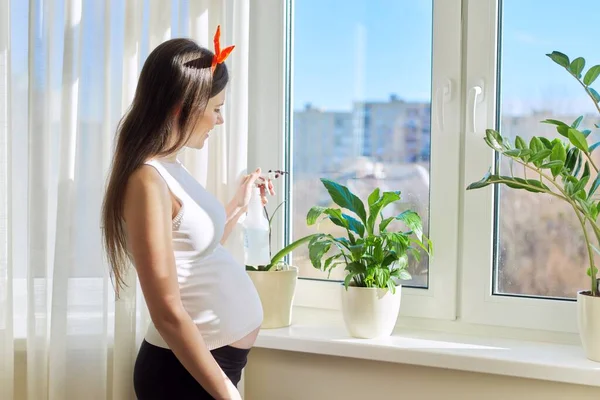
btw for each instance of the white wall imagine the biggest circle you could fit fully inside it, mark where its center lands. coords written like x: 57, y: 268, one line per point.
x: 282, y: 375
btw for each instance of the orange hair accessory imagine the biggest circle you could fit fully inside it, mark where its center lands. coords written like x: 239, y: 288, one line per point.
x: 220, y: 55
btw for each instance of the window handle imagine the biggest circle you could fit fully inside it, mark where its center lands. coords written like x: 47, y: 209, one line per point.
x: 443, y: 95
x: 476, y: 91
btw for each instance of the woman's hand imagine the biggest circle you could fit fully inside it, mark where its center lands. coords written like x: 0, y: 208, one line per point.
x: 233, y: 392
x: 244, y: 192
x: 239, y: 204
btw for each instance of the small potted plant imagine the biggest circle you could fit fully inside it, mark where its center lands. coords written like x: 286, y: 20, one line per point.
x: 276, y: 282
x: 375, y: 259
x: 564, y: 169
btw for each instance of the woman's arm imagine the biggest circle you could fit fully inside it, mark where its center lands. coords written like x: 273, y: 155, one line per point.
x: 148, y: 218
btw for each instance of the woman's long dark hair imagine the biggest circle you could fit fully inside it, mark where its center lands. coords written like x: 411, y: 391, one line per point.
x: 173, y: 90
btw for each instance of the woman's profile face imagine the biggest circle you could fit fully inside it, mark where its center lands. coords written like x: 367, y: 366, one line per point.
x: 211, y: 117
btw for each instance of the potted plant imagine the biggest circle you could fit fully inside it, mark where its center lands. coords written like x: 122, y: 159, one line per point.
x: 564, y: 169
x: 375, y: 259
x: 276, y: 282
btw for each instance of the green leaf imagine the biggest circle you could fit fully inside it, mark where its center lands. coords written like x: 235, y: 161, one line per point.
x: 356, y: 267
x: 590, y: 273
x: 594, y: 186
x: 521, y: 145
x: 384, y: 223
x: 591, y: 75
x: 336, y: 216
x: 378, y: 253
x: 569, y: 188
x: 517, y: 153
x: 536, y: 186
x: 391, y: 286
x: 357, y: 251
x: 399, y: 242
x: 413, y: 221
x: 571, y: 159
x: 405, y: 275
x: 558, y: 154
x: 426, y: 247
x: 576, y: 123
x: 552, y: 164
x: 344, y: 198
x: 580, y: 185
x: 540, y: 155
x: 292, y: 246
x: 586, y: 132
x: 525, y: 155
x: 578, y: 140
x: 348, y: 279
x: 313, y: 214
x: 483, y: 182
x: 354, y: 225
x: 330, y: 262
x: 316, y: 250
x: 389, y: 259
x: 402, y: 263
x: 554, y: 122
x: 536, y: 145
x: 530, y: 185
x: 576, y: 66
x: 578, y: 164
x: 594, y: 94
x: 582, y: 198
x: 563, y: 130
x: 547, y: 144
x: 586, y: 171
x: 497, y: 136
x: 385, y: 199
x: 373, y: 197
x: 560, y: 58
x: 493, y: 139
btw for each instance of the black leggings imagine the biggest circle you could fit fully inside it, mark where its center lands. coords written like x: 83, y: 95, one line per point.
x: 158, y: 374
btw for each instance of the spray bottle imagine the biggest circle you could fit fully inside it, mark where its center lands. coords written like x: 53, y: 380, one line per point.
x: 256, y: 232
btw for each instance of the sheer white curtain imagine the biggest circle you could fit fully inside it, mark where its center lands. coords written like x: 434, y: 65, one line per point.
x: 68, y: 69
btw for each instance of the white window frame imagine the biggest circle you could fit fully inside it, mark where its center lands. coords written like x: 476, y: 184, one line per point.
x: 270, y: 21
x: 479, y: 305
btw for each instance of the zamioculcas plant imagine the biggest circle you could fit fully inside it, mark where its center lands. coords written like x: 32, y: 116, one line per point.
x: 371, y: 255
x: 562, y: 168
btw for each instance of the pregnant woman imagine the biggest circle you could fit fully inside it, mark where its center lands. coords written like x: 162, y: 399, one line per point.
x: 204, y: 308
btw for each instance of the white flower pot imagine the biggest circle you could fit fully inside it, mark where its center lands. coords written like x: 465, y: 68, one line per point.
x: 370, y: 312
x: 276, y: 290
x: 588, y: 315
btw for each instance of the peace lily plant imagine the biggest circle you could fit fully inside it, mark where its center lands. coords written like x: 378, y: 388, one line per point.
x: 374, y: 258
x: 564, y: 169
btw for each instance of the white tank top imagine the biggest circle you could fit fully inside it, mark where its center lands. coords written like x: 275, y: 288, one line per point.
x: 215, y: 289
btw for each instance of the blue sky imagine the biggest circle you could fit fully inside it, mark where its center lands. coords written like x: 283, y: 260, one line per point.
x: 348, y: 50
x: 398, y: 50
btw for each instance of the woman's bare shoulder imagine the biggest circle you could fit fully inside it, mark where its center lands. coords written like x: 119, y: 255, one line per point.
x: 146, y: 185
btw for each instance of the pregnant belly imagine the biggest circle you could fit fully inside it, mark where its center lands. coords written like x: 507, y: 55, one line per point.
x: 247, y: 341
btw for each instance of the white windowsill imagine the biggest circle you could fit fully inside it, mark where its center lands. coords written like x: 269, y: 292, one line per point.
x: 323, y: 332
